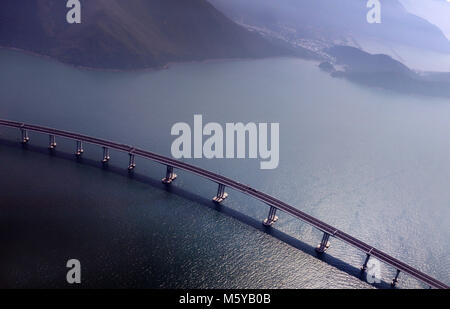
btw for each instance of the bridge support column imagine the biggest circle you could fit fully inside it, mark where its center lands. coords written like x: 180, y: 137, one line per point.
x: 364, y: 267
x: 51, y: 142
x: 271, y: 218
x: 132, y: 163
x: 80, y: 149
x: 106, y: 156
x: 170, y: 175
x: 25, y: 137
x: 221, y: 194
x: 395, y: 280
x: 324, y: 244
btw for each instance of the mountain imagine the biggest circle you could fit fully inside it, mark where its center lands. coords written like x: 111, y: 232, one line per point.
x: 382, y: 71
x: 435, y: 11
x: 323, y: 23
x: 129, y: 34
x: 356, y: 60
x: 332, y: 20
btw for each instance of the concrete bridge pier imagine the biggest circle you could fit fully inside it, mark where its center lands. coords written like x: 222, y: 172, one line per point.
x: 51, y: 142
x: 221, y: 194
x: 271, y: 218
x: 364, y: 267
x: 25, y: 137
x: 395, y: 280
x: 170, y: 175
x: 79, y: 150
x: 106, y: 156
x: 132, y: 163
x: 324, y: 244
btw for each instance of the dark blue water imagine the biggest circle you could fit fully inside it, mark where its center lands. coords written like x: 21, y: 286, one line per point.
x: 372, y: 163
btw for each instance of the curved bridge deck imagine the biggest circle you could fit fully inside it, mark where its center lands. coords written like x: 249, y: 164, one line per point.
x: 274, y: 203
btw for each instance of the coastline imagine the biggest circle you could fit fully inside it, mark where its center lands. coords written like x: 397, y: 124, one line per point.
x: 148, y: 69
x: 81, y: 67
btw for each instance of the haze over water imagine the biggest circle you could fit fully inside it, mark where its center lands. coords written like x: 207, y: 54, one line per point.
x: 372, y: 163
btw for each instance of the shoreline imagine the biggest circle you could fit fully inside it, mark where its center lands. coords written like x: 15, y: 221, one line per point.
x: 148, y: 69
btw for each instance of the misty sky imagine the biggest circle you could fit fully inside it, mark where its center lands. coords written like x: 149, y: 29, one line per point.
x: 435, y: 11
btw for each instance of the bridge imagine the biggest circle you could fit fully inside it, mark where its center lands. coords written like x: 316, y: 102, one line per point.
x: 223, y: 182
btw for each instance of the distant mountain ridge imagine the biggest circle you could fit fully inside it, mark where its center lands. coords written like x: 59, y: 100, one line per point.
x: 337, y: 21
x: 129, y: 34
x: 357, y: 60
x: 323, y: 23
x: 384, y: 72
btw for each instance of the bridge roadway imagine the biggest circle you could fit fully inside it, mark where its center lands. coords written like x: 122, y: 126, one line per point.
x: 265, y: 198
